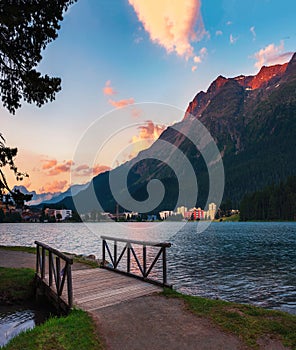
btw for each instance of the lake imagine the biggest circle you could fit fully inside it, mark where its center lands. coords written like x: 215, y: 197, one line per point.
x: 242, y: 262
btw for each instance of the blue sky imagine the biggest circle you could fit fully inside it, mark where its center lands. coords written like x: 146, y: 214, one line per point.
x: 140, y: 53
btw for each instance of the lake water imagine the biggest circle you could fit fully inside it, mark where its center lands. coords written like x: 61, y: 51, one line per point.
x: 16, y: 319
x: 243, y: 262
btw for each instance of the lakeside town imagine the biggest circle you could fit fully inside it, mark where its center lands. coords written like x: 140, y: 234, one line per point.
x: 19, y: 212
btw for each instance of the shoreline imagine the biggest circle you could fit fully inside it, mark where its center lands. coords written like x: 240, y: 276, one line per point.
x: 238, y: 319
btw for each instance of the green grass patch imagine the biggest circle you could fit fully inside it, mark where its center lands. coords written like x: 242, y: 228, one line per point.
x: 249, y: 323
x: 16, y: 285
x: 76, y: 331
x: 31, y: 250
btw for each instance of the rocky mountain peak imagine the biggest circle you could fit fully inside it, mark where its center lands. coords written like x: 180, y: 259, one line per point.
x: 264, y: 78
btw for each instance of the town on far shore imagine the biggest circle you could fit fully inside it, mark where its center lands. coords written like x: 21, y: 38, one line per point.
x: 19, y: 212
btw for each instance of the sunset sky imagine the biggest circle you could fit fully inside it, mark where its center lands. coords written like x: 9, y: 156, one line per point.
x: 116, y: 53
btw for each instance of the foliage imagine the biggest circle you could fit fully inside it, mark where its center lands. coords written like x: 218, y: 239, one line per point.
x: 15, y: 284
x: 276, y: 202
x: 248, y: 322
x: 7, y: 156
x: 26, y: 28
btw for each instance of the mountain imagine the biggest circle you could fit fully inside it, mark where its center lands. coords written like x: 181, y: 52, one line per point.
x: 253, y: 122
x: 41, y: 199
x: 38, y: 198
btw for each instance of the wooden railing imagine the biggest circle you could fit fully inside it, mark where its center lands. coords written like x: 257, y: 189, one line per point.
x: 128, y: 251
x: 53, y: 270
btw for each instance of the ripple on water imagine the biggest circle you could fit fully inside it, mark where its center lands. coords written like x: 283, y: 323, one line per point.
x: 243, y: 262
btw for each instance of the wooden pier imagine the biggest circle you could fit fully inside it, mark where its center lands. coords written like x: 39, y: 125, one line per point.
x: 94, y: 288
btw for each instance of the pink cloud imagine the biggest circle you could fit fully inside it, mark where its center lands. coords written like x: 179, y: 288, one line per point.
x: 55, y: 186
x: 49, y: 164
x: 108, y: 89
x: 149, y: 131
x: 85, y: 170
x: 60, y: 168
x: 122, y: 103
x: 271, y: 54
x: 147, y: 134
x: 98, y: 169
x: 136, y: 113
x: 173, y: 25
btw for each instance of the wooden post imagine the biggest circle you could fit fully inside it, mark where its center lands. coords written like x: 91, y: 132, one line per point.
x: 104, y: 252
x: 115, y: 254
x: 69, y: 285
x: 50, y: 262
x: 58, y: 271
x: 43, y: 259
x: 128, y: 258
x: 37, y: 259
x: 164, y: 266
x: 144, y: 261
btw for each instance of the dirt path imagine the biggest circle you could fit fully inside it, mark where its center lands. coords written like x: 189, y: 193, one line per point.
x: 10, y: 258
x: 158, y: 323
x: 152, y: 322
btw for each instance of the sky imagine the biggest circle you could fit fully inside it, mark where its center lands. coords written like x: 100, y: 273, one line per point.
x: 116, y: 57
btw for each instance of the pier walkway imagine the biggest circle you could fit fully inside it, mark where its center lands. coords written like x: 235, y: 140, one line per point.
x: 151, y: 321
x: 94, y: 289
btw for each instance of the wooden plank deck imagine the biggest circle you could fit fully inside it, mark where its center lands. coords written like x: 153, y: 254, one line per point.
x: 94, y: 289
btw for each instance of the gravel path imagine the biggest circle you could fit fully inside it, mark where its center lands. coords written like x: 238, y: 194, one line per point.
x: 151, y: 322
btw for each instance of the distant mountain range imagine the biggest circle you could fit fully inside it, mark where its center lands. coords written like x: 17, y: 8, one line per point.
x: 251, y: 118
x: 50, y: 197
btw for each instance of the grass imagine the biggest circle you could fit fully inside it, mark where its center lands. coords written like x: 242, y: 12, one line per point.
x: 76, y: 331
x: 232, y: 218
x: 16, y: 285
x: 31, y: 250
x: 248, y: 322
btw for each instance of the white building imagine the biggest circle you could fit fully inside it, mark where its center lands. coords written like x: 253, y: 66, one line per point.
x: 182, y: 210
x: 165, y: 214
x: 62, y: 214
x: 212, y: 211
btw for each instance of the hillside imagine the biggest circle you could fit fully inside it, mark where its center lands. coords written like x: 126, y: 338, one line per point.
x: 251, y: 118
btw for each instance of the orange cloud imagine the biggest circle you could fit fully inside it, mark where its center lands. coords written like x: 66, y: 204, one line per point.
x: 60, y: 168
x: 148, y: 133
x: 171, y: 24
x: 271, y: 54
x: 198, y: 59
x: 85, y: 170
x: 136, y: 113
x: 98, y: 169
x: 122, y: 103
x: 55, y: 186
x: 108, y: 89
x: 49, y: 164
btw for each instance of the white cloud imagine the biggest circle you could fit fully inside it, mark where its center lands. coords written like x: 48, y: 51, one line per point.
x: 172, y: 24
x: 198, y: 59
x: 232, y: 39
x: 252, y: 30
x: 271, y: 54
